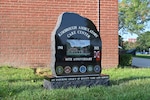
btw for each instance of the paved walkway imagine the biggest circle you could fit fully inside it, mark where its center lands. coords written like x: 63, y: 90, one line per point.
x: 141, y: 62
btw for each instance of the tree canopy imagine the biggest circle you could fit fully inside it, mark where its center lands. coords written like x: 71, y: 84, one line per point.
x: 143, y: 41
x: 133, y: 15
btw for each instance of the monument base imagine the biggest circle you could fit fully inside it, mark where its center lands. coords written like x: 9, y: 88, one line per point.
x: 65, y: 82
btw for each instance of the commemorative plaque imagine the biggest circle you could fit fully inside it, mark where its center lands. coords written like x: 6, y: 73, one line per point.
x: 76, y: 47
x: 76, y: 54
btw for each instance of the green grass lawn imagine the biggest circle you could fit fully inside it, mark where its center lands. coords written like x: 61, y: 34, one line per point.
x: 126, y: 84
x: 143, y: 56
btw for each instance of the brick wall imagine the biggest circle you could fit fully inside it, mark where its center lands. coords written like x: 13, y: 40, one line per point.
x: 26, y: 26
x: 109, y: 32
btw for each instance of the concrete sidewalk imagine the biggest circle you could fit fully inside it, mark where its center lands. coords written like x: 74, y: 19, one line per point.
x: 141, y: 62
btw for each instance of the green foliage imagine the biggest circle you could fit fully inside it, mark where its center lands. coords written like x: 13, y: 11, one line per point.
x: 125, y: 59
x: 133, y: 15
x: 143, y: 41
x: 129, y: 45
x: 126, y: 84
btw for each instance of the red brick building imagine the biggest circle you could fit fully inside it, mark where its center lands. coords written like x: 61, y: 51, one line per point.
x: 133, y: 40
x: 26, y: 26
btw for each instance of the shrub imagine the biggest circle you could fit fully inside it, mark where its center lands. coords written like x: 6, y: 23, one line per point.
x: 125, y: 59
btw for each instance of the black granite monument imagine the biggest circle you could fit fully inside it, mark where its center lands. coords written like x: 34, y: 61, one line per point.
x: 77, y: 47
x: 76, y: 52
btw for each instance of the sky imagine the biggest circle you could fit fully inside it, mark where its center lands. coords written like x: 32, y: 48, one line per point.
x: 127, y: 36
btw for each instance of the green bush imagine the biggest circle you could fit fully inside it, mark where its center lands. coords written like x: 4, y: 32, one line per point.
x: 125, y: 59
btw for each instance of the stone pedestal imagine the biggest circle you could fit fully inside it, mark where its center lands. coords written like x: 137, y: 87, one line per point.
x: 65, y: 82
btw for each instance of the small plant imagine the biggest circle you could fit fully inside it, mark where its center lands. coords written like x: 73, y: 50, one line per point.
x: 125, y: 60
x: 42, y: 71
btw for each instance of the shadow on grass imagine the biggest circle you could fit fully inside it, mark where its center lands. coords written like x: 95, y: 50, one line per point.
x: 124, y: 80
x: 143, y: 56
x: 15, y: 90
x: 25, y: 80
x: 11, y: 87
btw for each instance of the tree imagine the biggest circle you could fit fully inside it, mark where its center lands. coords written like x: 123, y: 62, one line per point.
x: 133, y: 15
x: 129, y: 45
x: 143, y: 41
